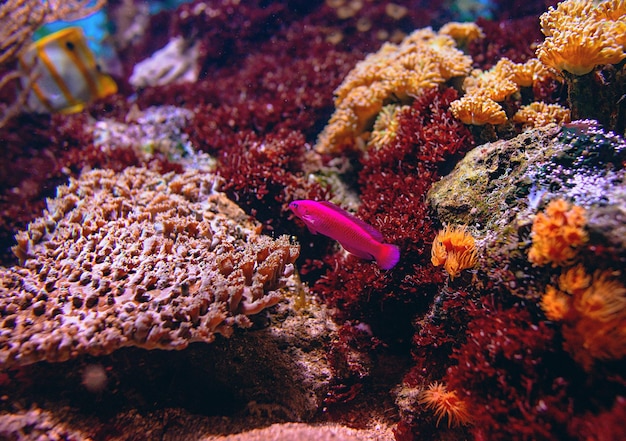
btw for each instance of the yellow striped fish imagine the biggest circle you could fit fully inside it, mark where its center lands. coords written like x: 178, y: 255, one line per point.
x: 66, y: 75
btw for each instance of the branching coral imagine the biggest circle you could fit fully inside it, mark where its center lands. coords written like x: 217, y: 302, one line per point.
x: 445, y: 403
x: 136, y: 259
x: 581, y: 35
x: 455, y: 249
x: 423, y: 60
x: 557, y: 233
x: 592, y: 309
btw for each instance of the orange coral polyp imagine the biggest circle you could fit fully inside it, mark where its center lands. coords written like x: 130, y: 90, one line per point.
x: 455, y: 249
x: 557, y: 233
x: 445, y: 403
x: 555, y: 304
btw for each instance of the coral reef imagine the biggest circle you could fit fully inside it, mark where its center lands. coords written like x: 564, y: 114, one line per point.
x: 139, y: 258
x: 483, y: 90
x: 581, y: 35
x: 140, y: 251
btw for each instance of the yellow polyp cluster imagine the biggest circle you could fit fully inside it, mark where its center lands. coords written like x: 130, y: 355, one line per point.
x: 478, y: 111
x: 386, y: 126
x: 462, y: 33
x: 581, y: 34
x: 538, y: 114
x: 445, y: 403
x: 592, y: 309
x: 455, y: 249
x: 396, y: 73
x: 485, y: 89
x: 557, y: 233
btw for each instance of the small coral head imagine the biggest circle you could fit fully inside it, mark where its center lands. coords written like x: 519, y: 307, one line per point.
x: 445, y: 403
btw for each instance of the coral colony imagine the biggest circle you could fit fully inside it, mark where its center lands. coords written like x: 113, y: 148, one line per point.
x: 161, y: 274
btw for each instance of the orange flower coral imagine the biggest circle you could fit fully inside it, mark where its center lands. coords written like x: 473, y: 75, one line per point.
x: 592, y: 309
x: 455, y: 249
x: 581, y: 34
x: 445, y: 403
x: 555, y: 304
x: 557, y: 233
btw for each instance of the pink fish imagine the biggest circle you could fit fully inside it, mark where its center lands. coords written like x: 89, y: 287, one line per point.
x: 356, y: 236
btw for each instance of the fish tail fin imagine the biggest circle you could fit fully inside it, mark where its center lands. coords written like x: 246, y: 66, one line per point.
x: 388, y: 256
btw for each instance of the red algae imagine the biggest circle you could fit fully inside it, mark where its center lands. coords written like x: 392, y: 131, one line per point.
x: 394, y: 180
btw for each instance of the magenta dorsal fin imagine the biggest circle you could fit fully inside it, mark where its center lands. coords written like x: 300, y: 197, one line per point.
x: 376, y: 235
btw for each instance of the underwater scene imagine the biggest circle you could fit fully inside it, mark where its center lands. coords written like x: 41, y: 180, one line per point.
x: 346, y: 220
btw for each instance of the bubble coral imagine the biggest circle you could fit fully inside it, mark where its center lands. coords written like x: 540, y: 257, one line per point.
x: 557, y: 233
x: 445, y: 403
x: 592, y: 309
x: 424, y: 59
x: 581, y: 35
x: 455, y: 249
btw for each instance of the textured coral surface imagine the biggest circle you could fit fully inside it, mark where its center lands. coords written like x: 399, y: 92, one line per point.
x: 135, y: 259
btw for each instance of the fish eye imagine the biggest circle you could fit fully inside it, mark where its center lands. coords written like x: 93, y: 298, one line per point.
x: 69, y: 45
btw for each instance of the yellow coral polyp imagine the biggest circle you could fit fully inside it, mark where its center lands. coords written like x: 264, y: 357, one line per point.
x: 478, y: 111
x: 539, y: 114
x: 455, y: 249
x: 445, y: 403
x: 386, y: 126
x: 557, y: 233
x: 581, y: 35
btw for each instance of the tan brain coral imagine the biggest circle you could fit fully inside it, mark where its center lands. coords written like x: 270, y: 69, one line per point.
x: 136, y: 259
